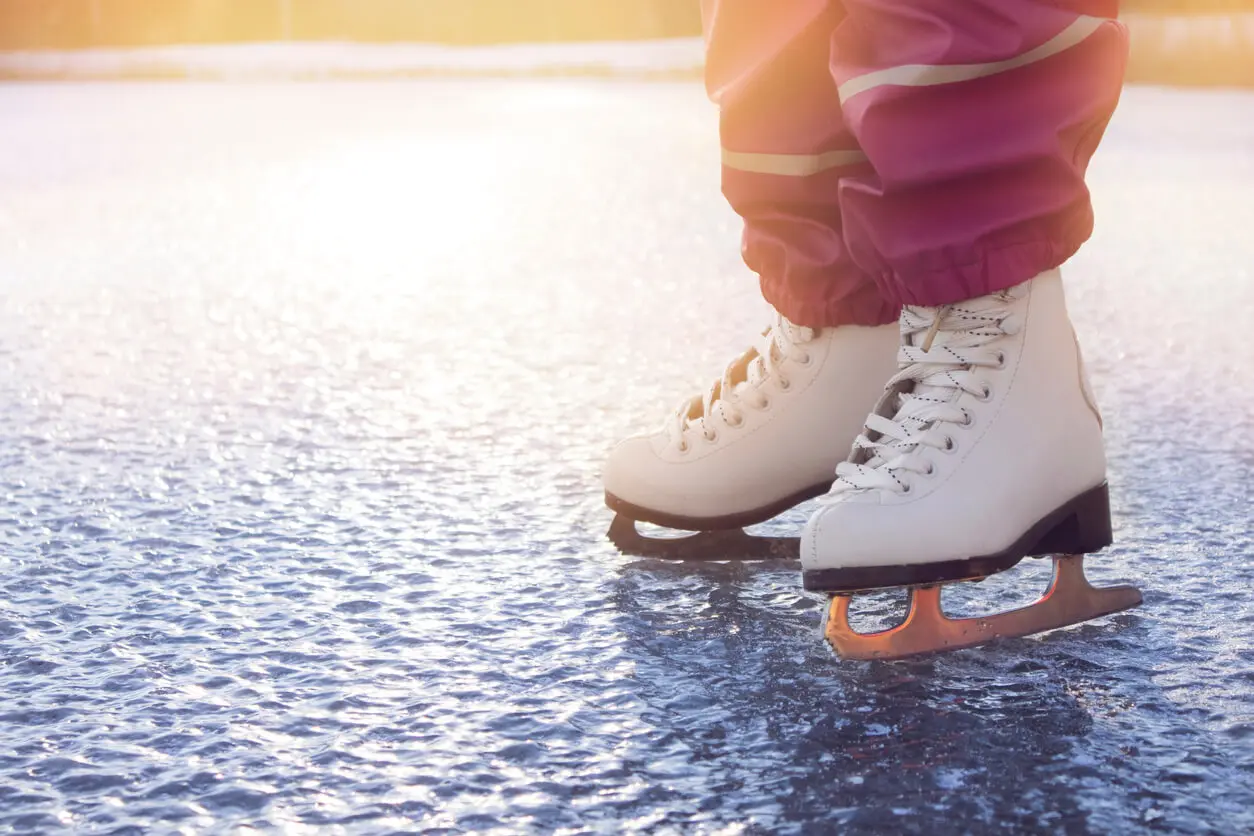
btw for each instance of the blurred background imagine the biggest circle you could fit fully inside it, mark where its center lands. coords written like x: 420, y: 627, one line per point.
x: 1174, y: 41
x: 79, y: 23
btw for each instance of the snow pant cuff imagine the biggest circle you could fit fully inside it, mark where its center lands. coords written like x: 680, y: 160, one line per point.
x: 816, y: 307
x: 992, y: 265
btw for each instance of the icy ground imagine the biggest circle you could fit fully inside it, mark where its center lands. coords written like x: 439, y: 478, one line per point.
x: 304, y: 391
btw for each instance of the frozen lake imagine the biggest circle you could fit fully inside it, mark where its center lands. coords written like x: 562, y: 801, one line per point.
x: 304, y: 392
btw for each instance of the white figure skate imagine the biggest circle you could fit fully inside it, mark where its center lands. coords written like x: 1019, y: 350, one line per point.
x: 985, y: 448
x: 764, y: 437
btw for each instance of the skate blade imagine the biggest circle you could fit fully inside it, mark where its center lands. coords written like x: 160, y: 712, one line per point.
x: 1070, y: 599
x: 731, y: 544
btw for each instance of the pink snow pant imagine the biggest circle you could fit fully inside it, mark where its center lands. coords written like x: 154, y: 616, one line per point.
x: 889, y: 152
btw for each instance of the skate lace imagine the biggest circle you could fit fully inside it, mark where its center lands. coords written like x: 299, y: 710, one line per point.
x: 942, y: 350
x: 741, y: 382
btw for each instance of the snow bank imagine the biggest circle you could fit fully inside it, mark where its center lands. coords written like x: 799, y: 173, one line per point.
x: 680, y: 57
x: 1179, y: 49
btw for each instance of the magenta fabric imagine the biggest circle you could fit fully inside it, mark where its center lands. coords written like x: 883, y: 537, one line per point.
x: 967, y: 187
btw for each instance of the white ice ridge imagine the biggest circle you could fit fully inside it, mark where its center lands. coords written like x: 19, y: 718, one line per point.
x: 653, y: 58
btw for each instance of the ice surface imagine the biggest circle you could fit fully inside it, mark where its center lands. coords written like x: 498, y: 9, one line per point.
x: 304, y: 391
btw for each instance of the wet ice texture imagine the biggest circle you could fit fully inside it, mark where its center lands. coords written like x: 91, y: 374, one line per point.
x: 303, y: 395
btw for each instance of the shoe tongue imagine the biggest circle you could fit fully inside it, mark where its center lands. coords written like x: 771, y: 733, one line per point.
x: 914, y: 397
x: 750, y: 369
x: 747, y: 366
x: 923, y: 393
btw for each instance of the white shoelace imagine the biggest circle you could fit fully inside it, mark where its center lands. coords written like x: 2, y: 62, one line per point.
x: 741, y: 382
x: 942, y: 350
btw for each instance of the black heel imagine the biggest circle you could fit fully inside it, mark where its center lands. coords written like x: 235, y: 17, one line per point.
x: 1084, y: 529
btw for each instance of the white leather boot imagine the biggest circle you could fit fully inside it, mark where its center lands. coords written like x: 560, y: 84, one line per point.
x: 985, y: 448
x: 763, y: 438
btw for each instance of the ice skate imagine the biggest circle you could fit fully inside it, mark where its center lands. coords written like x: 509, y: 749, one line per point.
x: 763, y: 438
x: 985, y: 449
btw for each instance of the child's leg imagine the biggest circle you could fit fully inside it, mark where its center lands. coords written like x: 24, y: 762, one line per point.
x: 769, y: 433
x: 979, y: 118
x: 785, y: 151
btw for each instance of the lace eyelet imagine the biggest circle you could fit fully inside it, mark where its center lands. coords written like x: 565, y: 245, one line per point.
x: 710, y: 437
x: 967, y: 418
x: 765, y: 404
x: 739, y: 422
x: 950, y: 444
x: 805, y: 359
x: 931, y: 468
x: 905, y: 489
x: 987, y: 393
x: 1001, y: 360
x: 784, y: 384
x: 684, y: 447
